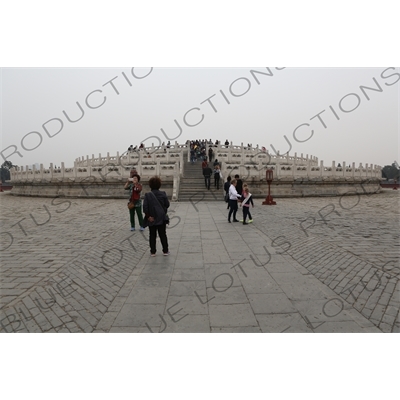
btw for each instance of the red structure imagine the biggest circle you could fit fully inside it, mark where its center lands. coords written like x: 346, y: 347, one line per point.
x: 269, y: 201
x: 393, y: 186
x: 4, y: 187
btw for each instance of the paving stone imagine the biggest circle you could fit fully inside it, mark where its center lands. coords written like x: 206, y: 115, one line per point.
x: 187, y: 288
x: 277, y: 303
x: 231, y: 315
x: 154, y: 280
x: 302, y: 292
x: 236, y: 329
x: 340, y: 327
x: 133, y: 329
x: 42, y: 322
x: 139, y: 315
x: 282, y: 323
x: 290, y: 278
x: 233, y: 295
x: 274, y: 267
x: 188, y: 324
x: 265, y: 285
x: 188, y: 274
x: 185, y: 305
x: 146, y: 295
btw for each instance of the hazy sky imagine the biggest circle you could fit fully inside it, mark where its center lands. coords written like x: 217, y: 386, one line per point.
x: 357, y: 129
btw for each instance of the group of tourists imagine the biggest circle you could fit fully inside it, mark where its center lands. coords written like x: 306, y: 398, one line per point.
x: 155, y: 207
x: 155, y: 203
x: 238, y: 194
x: 131, y: 148
x: 197, y: 149
x: 208, y: 172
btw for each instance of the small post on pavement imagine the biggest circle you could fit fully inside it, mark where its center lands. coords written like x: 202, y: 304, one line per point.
x: 269, y: 201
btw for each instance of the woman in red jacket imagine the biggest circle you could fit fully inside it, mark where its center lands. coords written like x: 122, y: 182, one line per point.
x: 135, y: 189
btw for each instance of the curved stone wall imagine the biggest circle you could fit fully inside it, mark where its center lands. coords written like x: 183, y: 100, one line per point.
x: 294, y: 176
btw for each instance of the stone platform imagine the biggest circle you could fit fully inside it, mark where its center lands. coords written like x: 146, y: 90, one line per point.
x: 304, y: 265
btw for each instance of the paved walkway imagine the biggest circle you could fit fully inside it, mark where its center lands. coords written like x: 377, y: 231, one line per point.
x: 304, y: 265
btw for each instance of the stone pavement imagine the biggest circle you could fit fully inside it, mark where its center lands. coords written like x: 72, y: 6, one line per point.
x: 304, y: 265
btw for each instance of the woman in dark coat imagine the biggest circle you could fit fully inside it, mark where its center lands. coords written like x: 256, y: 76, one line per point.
x: 155, y: 206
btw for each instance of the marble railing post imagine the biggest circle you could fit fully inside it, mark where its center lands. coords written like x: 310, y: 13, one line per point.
x: 63, y: 170
x: 321, y: 168
x: 181, y: 164
x: 158, y: 168
x: 333, y: 172
x: 51, y: 171
x: 34, y: 174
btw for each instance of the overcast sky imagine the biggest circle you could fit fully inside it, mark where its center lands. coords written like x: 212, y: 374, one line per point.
x: 357, y: 129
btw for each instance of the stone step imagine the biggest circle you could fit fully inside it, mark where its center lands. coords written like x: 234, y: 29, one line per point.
x: 201, y: 189
x: 192, y: 186
x: 202, y: 186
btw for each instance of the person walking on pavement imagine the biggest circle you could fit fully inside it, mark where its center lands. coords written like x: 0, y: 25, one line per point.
x: 217, y: 176
x: 246, y: 200
x: 207, y: 172
x: 233, y: 198
x: 155, y: 206
x: 227, y: 185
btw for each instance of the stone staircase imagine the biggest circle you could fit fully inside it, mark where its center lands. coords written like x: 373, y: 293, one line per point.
x: 192, y: 186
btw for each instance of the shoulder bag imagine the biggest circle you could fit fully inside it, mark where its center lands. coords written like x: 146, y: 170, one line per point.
x: 166, y: 217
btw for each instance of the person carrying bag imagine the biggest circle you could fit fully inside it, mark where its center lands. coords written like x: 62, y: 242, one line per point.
x: 155, y: 206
